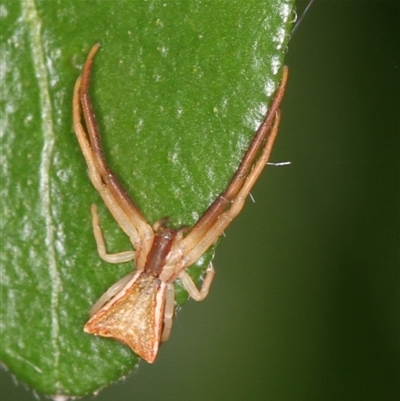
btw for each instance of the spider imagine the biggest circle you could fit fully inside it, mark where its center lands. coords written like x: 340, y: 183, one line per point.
x: 138, y: 310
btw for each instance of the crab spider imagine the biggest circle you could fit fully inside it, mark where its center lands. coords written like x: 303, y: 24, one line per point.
x: 138, y: 310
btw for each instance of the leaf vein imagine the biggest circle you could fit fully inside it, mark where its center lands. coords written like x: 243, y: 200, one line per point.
x: 34, y: 23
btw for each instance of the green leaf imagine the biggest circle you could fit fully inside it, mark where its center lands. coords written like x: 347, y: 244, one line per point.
x: 179, y: 87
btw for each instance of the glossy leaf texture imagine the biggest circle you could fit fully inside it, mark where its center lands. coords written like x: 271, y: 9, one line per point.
x: 179, y: 87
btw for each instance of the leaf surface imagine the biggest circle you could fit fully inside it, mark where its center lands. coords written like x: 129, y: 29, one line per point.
x: 179, y: 87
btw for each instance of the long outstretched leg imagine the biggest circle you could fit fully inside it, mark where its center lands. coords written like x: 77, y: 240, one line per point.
x: 94, y: 175
x: 243, y: 173
x: 117, y: 200
x: 220, y: 224
x: 107, y: 175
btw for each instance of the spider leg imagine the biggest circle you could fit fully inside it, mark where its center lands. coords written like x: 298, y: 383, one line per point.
x: 194, y: 292
x: 115, y: 197
x: 169, y: 312
x: 119, y: 257
x: 191, y: 288
x: 111, y: 292
x: 94, y: 175
x: 213, y: 232
x: 106, y: 174
x: 243, y: 174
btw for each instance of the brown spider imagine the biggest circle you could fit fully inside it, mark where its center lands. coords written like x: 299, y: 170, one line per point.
x: 138, y: 310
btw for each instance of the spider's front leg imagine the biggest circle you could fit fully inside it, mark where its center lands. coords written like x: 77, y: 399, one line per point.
x: 230, y: 202
x: 121, y: 206
x: 223, y: 220
x: 261, y: 140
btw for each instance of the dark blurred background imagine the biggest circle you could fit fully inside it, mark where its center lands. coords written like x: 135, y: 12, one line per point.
x: 305, y: 304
